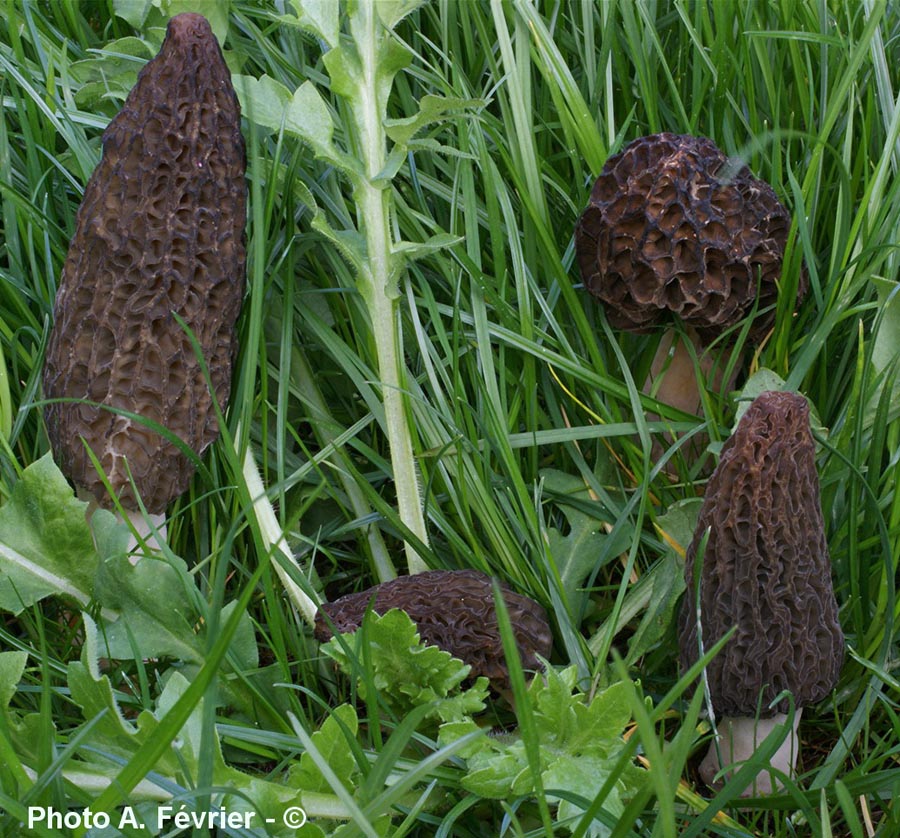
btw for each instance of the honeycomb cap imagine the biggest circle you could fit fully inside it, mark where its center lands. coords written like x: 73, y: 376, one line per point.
x: 674, y: 227
x: 160, y: 232
x: 765, y: 568
x: 452, y: 609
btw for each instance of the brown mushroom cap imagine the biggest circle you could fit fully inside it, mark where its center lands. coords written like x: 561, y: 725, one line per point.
x: 672, y: 228
x: 452, y: 609
x: 765, y: 568
x: 160, y: 230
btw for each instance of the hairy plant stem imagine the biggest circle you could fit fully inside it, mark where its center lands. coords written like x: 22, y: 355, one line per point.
x: 380, y: 296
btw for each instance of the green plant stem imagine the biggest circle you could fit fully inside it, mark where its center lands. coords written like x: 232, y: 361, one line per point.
x: 381, y: 298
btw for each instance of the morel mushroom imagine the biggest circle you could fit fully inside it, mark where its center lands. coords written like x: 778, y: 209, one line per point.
x: 674, y: 229
x: 160, y: 232
x: 766, y: 571
x: 452, y: 609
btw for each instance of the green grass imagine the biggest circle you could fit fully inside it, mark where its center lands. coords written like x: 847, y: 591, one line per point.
x: 522, y: 407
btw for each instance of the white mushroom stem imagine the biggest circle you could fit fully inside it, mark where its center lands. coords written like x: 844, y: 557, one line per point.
x: 738, y: 740
x: 142, y: 525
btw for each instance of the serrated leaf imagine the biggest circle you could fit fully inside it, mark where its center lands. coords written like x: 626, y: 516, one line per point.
x: 307, y: 116
x: 493, y: 774
x: 46, y: 546
x: 157, y: 613
x: 345, y: 72
x: 433, y: 146
x: 666, y: 581
x: 433, y: 244
x: 215, y: 11
x: 761, y: 381
x: 12, y: 667
x: 585, y: 777
x: 133, y: 11
x: 331, y: 741
x: 581, y: 549
x: 350, y: 243
x: 319, y: 17
x: 93, y: 693
x: 408, y: 673
x: 263, y: 100
x: 452, y: 731
x: 607, y: 716
x: 431, y: 109
x: 391, y: 12
x: 578, y: 739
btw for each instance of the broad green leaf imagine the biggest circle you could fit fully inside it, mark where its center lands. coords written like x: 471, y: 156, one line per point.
x: 392, y: 58
x: 215, y: 11
x: 350, y: 244
x: 46, y: 546
x: 244, y: 648
x: 451, y: 731
x: 321, y: 17
x: 607, y: 716
x: 12, y: 666
x: 583, y: 776
x: 582, y: 548
x: 112, y: 72
x: 434, y: 244
x: 408, y: 673
x: 158, y: 616
x: 263, y: 100
x: 762, y: 381
x: 554, y: 703
x: 111, y: 734
x: 133, y: 11
x: 93, y: 693
x: 307, y: 116
x: 493, y: 773
x: 431, y: 109
x: 676, y: 529
x: 345, y: 73
x: 331, y: 741
x: 111, y: 534
x: 666, y: 584
x: 391, y: 12
x: 662, y: 586
x: 578, y: 739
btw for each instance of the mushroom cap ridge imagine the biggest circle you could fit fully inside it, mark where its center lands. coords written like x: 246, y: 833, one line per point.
x: 674, y: 227
x: 452, y: 609
x: 765, y: 569
x: 160, y: 230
